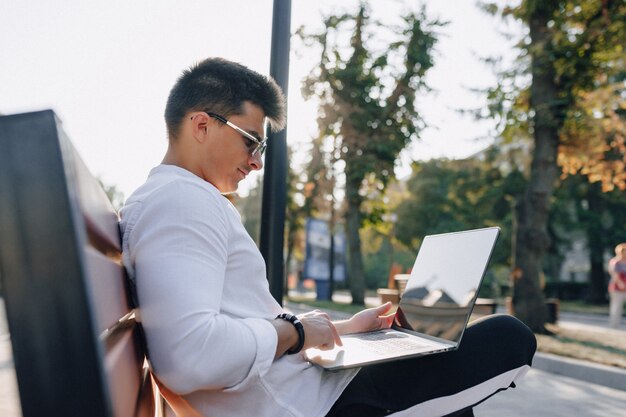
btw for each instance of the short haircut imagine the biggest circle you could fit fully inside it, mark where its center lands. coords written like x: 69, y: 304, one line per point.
x: 222, y: 86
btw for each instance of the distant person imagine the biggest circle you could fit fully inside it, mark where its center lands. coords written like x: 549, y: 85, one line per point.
x: 617, y: 285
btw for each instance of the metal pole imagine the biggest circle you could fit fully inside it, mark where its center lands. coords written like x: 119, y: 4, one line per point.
x: 333, y: 181
x: 275, y: 179
x: 331, y: 258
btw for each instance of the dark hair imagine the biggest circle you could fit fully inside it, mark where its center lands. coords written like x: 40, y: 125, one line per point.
x: 222, y: 86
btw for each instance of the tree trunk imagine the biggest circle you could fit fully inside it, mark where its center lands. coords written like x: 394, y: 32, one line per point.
x: 530, y: 244
x: 595, y: 233
x: 532, y: 240
x: 356, y: 274
x: 290, y: 245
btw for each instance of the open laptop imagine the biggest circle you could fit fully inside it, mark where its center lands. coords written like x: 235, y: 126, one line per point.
x: 434, y: 309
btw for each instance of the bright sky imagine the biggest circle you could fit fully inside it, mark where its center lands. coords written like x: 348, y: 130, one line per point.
x: 106, y: 69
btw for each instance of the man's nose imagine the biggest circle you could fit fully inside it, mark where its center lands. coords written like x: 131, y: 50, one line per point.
x: 256, y: 161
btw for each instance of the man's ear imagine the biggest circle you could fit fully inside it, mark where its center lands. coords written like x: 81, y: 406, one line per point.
x: 200, y: 126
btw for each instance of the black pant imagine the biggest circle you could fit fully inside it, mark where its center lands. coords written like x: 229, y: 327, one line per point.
x: 490, y: 347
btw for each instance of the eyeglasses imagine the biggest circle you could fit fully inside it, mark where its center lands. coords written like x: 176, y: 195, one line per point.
x: 257, y: 146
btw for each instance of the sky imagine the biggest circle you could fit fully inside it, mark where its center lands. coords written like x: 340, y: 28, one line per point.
x: 106, y: 69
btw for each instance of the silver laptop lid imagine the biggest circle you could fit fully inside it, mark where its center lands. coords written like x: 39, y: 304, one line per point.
x: 444, y: 283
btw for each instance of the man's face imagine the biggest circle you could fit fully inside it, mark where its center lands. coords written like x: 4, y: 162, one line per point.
x: 228, y: 159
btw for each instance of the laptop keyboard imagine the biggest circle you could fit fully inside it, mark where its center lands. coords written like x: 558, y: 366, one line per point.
x: 385, y: 343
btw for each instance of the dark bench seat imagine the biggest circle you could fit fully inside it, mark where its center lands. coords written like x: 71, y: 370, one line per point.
x: 76, y: 346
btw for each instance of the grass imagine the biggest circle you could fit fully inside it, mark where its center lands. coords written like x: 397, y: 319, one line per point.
x: 326, y: 305
x: 600, y: 346
x: 582, y: 307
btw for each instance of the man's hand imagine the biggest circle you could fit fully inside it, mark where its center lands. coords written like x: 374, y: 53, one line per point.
x: 367, y: 320
x: 319, y: 331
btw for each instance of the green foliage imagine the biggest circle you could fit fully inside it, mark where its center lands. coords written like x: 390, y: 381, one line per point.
x: 572, y: 210
x: 572, y: 48
x: 365, y: 100
x: 116, y: 197
x: 380, y: 251
x: 456, y: 195
x: 585, y: 50
x: 296, y: 213
x: 444, y: 196
x: 377, y: 264
x: 326, y: 305
x: 366, y: 107
x: 250, y: 209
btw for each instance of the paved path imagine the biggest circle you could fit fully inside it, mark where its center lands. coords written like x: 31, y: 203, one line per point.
x: 544, y: 394
x: 589, y: 320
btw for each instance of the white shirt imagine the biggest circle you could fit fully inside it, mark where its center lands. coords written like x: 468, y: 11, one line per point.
x: 206, y: 308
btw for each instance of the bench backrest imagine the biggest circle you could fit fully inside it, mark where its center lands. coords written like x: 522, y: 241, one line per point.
x: 76, y: 346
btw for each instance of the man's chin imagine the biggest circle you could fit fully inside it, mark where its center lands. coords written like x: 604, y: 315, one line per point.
x: 230, y: 190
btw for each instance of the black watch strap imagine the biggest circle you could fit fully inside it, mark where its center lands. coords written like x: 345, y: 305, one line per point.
x: 299, y: 328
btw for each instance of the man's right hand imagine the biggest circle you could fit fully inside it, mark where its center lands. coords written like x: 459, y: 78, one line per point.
x: 319, y: 331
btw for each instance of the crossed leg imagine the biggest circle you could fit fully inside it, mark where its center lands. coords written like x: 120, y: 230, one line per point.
x: 495, y: 352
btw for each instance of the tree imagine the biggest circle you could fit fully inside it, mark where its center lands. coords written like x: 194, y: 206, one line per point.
x: 250, y: 208
x: 367, y: 103
x: 593, y: 138
x: 572, y: 48
x: 297, y: 210
x: 116, y: 197
x: 448, y: 195
x: 580, y: 206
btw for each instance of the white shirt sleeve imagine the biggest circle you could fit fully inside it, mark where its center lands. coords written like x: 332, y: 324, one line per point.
x: 178, y: 245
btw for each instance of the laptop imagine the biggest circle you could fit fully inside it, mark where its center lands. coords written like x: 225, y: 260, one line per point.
x: 434, y: 309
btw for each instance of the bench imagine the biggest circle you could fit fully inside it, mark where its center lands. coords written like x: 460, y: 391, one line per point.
x: 485, y: 306
x: 552, y: 309
x: 77, y: 348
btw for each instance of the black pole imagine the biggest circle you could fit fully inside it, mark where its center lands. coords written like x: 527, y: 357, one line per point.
x: 331, y: 258
x: 331, y: 275
x: 275, y: 179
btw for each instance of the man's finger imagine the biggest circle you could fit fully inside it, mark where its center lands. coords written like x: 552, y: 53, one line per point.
x: 384, y: 308
x: 336, y: 335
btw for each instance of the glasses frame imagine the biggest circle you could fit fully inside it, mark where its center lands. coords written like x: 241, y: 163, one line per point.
x: 261, y: 143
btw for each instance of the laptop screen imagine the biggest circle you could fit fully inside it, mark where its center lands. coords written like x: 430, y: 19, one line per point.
x: 444, y: 283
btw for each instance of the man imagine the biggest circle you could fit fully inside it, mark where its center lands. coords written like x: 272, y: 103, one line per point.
x: 218, y: 342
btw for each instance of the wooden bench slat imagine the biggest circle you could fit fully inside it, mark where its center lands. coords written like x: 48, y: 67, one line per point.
x: 123, y: 365
x: 106, y: 278
x: 100, y: 217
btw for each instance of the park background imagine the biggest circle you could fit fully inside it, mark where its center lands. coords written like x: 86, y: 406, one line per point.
x: 106, y: 70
